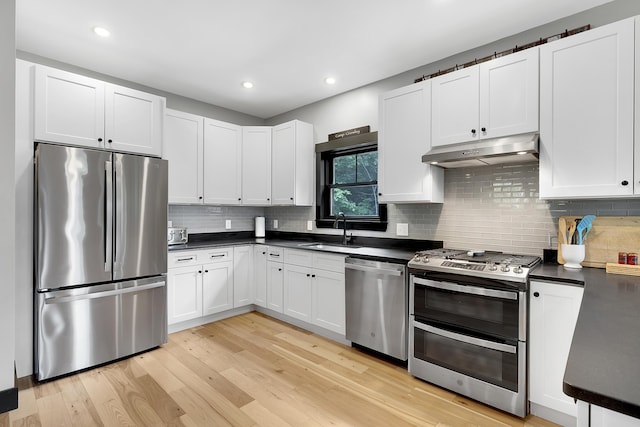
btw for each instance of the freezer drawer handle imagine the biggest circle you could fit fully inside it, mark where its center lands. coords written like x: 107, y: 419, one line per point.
x: 71, y: 298
x: 374, y: 269
x: 505, y: 348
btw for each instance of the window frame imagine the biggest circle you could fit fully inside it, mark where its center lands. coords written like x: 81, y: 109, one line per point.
x: 325, y: 153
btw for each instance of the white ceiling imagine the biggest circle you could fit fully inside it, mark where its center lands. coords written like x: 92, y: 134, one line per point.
x: 204, y: 49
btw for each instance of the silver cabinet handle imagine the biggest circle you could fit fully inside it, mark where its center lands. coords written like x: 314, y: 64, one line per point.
x: 385, y: 271
x: 184, y: 259
x: 505, y: 348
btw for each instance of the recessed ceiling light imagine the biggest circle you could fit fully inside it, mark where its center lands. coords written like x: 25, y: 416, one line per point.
x: 330, y: 80
x: 247, y: 85
x: 101, y: 31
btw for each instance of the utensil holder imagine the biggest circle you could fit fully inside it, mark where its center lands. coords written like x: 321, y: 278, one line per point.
x: 573, y: 255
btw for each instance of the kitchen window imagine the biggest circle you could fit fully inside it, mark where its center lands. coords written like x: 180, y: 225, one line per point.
x: 348, y: 183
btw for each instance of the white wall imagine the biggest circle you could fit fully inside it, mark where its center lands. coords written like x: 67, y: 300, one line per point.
x: 7, y: 189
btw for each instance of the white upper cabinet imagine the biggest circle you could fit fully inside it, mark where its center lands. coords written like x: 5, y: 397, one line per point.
x: 455, y: 107
x: 493, y: 99
x: 509, y: 95
x: 222, y: 163
x: 256, y: 165
x: 68, y: 108
x: 403, y: 137
x: 77, y: 110
x: 183, y: 149
x: 292, y: 164
x: 133, y: 120
x: 587, y: 114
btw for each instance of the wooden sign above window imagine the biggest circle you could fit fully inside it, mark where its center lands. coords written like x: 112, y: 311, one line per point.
x: 349, y: 132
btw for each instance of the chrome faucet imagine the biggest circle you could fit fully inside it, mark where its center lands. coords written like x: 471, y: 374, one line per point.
x: 345, y: 238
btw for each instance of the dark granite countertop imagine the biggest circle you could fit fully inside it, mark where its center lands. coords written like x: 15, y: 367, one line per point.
x: 604, y: 361
x: 379, y: 249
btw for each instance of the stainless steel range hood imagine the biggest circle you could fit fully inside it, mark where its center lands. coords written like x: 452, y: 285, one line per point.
x: 511, y: 149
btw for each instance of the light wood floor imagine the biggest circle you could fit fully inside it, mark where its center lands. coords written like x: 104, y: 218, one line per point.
x: 244, y: 371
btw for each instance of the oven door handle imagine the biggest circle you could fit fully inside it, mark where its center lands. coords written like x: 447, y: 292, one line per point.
x: 505, y: 348
x: 467, y: 289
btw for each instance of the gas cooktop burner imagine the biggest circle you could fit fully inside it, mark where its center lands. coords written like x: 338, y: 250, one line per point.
x: 476, y: 263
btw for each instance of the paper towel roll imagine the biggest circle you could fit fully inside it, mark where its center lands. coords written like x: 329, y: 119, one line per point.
x: 259, y: 226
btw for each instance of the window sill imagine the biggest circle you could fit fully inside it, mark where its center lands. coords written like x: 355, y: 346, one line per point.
x: 354, y: 224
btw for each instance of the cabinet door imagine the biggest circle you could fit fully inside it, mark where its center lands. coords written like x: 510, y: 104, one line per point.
x: 133, y: 120
x: 603, y: 417
x: 183, y: 149
x: 553, y: 315
x: 283, y: 164
x: 184, y: 293
x: 509, y: 95
x: 256, y: 165
x: 292, y: 164
x: 68, y: 108
x: 243, y: 289
x: 328, y: 297
x: 222, y: 158
x: 404, y: 136
x: 260, y: 274
x: 275, y: 286
x: 586, y: 113
x: 297, y: 292
x: 217, y: 287
x: 455, y: 104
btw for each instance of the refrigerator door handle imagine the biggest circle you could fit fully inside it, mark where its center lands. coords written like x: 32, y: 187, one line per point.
x: 92, y: 295
x: 108, y: 215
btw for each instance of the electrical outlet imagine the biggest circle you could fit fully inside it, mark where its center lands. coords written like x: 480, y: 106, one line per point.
x: 275, y: 223
x: 169, y: 223
x: 227, y: 224
x: 309, y: 225
x: 402, y: 229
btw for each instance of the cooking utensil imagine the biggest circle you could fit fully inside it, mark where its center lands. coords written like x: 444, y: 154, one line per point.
x: 585, y: 227
x: 572, y: 230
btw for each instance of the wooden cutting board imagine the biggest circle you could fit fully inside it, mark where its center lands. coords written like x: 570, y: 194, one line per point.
x: 609, y: 235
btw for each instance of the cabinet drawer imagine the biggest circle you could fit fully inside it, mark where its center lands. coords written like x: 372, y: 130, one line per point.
x: 298, y: 257
x: 323, y: 261
x: 275, y: 254
x: 184, y: 258
x: 219, y: 255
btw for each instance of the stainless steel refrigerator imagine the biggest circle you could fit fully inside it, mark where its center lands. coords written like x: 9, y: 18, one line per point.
x: 100, y: 257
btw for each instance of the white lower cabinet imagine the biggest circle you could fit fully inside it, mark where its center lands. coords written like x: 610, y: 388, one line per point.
x: 314, y: 288
x: 243, y: 288
x: 275, y: 286
x: 328, y: 300
x: 553, y: 314
x: 598, y: 416
x: 217, y: 287
x: 260, y: 274
x: 199, y: 283
x: 184, y: 293
x: 297, y: 291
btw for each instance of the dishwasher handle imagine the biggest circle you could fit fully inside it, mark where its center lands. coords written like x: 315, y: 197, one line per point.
x: 377, y: 270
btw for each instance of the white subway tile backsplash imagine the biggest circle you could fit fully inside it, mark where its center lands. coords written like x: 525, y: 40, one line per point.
x: 489, y: 207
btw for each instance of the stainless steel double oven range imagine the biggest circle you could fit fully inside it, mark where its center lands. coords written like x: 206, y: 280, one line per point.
x: 468, y: 324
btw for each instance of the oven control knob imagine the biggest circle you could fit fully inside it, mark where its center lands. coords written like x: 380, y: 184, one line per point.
x: 424, y: 259
x: 517, y: 269
x: 492, y: 267
x: 505, y: 268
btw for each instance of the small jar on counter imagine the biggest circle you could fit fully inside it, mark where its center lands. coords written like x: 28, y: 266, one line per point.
x: 632, y: 258
x: 622, y: 257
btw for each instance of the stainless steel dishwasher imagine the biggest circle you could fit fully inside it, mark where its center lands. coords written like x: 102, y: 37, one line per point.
x: 377, y: 306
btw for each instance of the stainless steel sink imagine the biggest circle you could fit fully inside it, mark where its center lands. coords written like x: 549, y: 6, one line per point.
x: 327, y: 246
